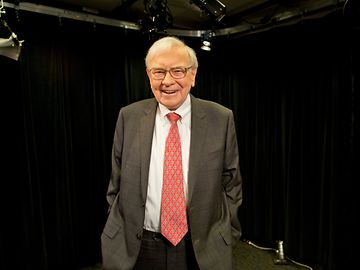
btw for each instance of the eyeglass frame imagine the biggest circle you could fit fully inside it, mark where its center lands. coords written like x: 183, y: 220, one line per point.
x: 186, y: 69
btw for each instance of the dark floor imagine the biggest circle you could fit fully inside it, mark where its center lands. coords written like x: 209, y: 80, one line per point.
x: 250, y: 257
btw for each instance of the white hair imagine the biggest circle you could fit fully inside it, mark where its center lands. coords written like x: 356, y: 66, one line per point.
x: 165, y: 44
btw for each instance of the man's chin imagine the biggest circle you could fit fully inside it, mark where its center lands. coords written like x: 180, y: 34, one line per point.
x: 170, y: 105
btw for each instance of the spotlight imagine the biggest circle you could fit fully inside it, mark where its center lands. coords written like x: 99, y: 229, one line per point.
x: 206, y: 40
x: 9, y: 47
x: 206, y: 46
x: 214, y: 8
x: 158, y: 16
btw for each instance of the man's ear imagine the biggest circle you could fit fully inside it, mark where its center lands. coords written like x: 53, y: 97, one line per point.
x: 193, y: 72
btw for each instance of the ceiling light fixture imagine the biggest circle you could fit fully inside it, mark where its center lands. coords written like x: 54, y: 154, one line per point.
x: 206, y: 40
x: 214, y: 8
x: 158, y: 16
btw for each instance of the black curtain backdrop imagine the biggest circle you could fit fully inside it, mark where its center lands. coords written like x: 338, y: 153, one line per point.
x: 294, y: 91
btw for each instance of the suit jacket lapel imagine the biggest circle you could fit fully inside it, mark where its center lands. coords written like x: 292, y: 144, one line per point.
x: 199, y: 127
x: 147, y: 123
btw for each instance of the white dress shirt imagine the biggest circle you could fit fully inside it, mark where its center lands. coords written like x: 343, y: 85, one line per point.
x: 161, y: 130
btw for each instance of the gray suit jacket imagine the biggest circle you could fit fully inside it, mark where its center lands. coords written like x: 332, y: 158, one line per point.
x: 214, y: 182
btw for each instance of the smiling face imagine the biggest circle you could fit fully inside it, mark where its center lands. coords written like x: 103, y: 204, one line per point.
x: 169, y: 91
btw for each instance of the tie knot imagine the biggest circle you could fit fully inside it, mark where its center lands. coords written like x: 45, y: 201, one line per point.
x: 173, y: 117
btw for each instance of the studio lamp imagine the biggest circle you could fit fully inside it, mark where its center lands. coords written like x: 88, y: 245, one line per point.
x: 206, y: 40
x: 214, y: 8
x: 11, y: 46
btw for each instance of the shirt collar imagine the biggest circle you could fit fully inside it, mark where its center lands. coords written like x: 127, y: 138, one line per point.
x: 182, y: 110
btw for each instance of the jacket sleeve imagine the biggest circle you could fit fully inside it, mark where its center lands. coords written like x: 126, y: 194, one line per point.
x: 116, y: 157
x: 231, y: 178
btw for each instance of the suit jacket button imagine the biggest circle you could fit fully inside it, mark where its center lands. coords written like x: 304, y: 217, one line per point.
x: 139, y: 236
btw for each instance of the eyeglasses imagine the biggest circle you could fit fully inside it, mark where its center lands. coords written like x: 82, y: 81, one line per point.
x: 175, y: 72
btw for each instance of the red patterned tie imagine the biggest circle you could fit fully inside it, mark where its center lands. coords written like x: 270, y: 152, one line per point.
x: 173, y: 209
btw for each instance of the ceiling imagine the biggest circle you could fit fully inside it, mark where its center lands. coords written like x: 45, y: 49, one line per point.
x: 197, y: 15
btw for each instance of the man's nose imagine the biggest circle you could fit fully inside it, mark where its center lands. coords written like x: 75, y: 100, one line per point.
x: 168, y: 79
